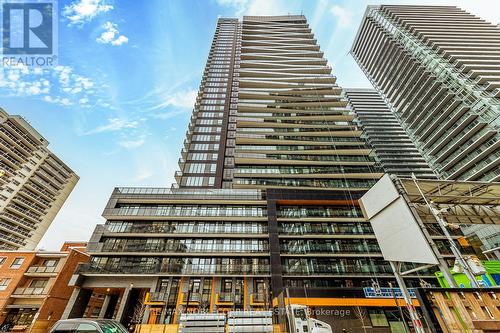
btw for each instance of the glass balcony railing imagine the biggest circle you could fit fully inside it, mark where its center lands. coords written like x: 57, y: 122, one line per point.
x: 186, y: 228
x: 226, y: 297
x: 258, y: 298
x: 189, y: 248
x: 338, y: 269
x: 157, y: 296
x: 325, y: 228
x: 314, y: 183
x: 298, y: 212
x: 192, y: 296
x: 319, y: 247
x: 261, y: 269
x: 160, y: 192
x: 202, y: 211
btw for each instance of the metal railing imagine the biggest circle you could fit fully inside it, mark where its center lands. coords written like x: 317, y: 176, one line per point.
x: 261, y: 269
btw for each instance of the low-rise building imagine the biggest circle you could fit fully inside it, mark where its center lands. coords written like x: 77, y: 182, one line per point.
x: 34, y: 286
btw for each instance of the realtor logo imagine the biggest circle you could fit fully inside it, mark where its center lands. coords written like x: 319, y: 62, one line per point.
x: 29, y: 32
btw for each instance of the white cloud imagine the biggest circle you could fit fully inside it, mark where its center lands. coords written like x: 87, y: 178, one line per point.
x: 130, y: 144
x: 114, y: 124
x: 179, y: 99
x: 57, y: 100
x: 17, y: 81
x: 111, y: 35
x: 83, y: 101
x: 257, y: 7
x: 82, y: 11
x: 142, y: 175
x: 168, y: 114
x: 343, y: 16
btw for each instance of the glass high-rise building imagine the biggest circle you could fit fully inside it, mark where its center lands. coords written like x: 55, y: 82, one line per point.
x: 266, y: 197
x: 394, y: 150
x: 438, y: 67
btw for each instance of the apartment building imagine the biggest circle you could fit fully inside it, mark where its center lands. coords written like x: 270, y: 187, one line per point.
x: 34, y: 184
x: 34, y: 286
x: 266, y: 198
x: 393, y: 148
x: 438, y: 69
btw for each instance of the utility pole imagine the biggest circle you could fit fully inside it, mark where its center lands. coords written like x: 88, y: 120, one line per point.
x: 399, y: 308
x: 415, y: 319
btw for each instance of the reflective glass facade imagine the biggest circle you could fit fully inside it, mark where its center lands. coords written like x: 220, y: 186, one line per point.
x: 437, y: 67
x: 394, y: 150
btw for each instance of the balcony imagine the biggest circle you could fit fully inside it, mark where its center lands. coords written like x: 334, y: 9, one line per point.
x: 22, y: 135
x: 15, y: 229
x: 194, y: 298
x: 39, y: 189
x: 177, y: 176
x: 156, y: 298
x: 20, y: 221
x: 29, y: 204
x: 54, y: 181
x: 258, y: 299
x: 20, y: 292
x: 184, y: 269
x: 38, y: 199
x: 41, y: 271
x: 10, y: 160
x: 13, y: 240
x: 227, y: 299
x: 190, y: 249
x: 27, y: 149
x: 25, y: 213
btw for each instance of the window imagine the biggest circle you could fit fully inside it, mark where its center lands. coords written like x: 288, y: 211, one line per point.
x: 17, y: 263
x: 64, y: 328
x: 300, y: 313
x: 95, y: 312
x: 38, y: 283
x: 2, y: 260
x: 112, y: 327
x: 86, y: 328
x: 4, y: 283
x: 50, y: 263
x: 378, y: 318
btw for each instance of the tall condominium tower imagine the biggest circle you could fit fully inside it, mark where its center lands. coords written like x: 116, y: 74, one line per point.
x: 34, y: 184
x: 267, y: 197
x: 395, y: 151
x: 439, y: 69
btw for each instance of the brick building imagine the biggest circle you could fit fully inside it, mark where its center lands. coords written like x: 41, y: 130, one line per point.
x: 34, y: 286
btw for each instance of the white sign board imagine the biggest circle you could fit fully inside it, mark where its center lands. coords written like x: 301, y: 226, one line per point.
x: 397, y: 231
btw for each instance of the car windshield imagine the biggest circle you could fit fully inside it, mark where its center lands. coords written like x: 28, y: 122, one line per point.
x: 112, y: 327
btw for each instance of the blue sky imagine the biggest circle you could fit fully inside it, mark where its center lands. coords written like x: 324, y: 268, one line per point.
x: 116, y: 107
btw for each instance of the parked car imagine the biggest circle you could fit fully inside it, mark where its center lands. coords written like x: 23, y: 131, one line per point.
x: 88, y: 325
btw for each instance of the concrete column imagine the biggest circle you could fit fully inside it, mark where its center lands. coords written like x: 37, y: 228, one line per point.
x: 123, y: 302
x: 77, y: 303
x: 104, y: 307
x: 71, y: 303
